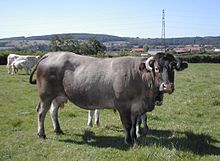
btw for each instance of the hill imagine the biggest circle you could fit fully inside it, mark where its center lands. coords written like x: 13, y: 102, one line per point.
x: 111, y: 42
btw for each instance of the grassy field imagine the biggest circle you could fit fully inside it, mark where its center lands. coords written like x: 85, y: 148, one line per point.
x: 186, y: 127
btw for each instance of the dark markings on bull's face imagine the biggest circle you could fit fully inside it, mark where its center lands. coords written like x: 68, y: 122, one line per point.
x: 164, y: 72
x: 163, y: 66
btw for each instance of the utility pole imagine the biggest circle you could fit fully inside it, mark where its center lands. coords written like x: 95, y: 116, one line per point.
x: 163, y: 31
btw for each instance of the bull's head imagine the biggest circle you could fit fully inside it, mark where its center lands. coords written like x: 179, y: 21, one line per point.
x: 163, y: 66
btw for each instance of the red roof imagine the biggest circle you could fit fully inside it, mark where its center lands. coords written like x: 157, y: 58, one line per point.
x: 137, y: 49
x: 187, y: 49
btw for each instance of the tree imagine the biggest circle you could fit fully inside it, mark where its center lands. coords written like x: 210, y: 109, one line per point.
x: 71, y: 45
x: 66, y: 43
x: 146, y: 48
x: 95, y: 47
x: 92, y: 47
x: 84, y: 49
x: 55, y: 44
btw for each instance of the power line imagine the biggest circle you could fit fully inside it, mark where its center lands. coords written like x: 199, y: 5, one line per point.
x: 163, y: 37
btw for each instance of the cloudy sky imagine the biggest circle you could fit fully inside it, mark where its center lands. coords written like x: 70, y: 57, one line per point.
x: 130, y: 18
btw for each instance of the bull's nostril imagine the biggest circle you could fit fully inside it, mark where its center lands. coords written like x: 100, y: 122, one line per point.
x: 164, y: 86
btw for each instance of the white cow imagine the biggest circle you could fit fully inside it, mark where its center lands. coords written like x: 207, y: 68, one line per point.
x: 17, y: 64
x: 10, y: 59
x: 25, y: 62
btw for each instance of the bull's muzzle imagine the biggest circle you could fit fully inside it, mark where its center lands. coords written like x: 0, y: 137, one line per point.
x: 167, y: 87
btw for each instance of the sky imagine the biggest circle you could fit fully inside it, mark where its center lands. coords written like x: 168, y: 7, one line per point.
x: 127, y: 18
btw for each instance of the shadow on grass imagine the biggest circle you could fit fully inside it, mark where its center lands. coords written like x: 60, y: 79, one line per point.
x: 91, y: 139
x: 200, y: 144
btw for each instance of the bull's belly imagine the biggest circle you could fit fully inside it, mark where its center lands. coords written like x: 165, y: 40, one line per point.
x: 91, y: 103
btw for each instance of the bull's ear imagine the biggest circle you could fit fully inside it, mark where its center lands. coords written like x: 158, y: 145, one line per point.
x: 142, y: 66
x: 181, y: 65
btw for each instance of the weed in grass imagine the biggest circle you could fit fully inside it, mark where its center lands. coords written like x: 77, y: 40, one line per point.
x: 16, y: 123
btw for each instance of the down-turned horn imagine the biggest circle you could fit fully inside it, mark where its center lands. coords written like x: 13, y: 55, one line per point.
x: 178, y: 63
x: 147, y: 63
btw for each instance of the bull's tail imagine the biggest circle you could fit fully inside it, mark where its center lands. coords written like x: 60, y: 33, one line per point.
x: 31, y: 81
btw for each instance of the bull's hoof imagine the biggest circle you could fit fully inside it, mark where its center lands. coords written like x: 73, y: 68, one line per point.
x: 139, y: 134
x: 41, y: 136
x: 98, y: 124
x: 90, y: 125
x: 59, y: 132
x: 128, y: 142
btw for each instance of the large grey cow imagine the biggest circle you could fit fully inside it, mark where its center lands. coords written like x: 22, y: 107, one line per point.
x: 128, y: 84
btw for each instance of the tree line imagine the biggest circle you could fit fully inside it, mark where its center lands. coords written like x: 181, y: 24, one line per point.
x: 67, y: 43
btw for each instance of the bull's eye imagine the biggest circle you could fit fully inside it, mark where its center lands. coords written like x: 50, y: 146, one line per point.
x: 156, y: 69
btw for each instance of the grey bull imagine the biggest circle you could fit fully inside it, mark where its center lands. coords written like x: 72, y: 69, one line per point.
x: 128, y: 84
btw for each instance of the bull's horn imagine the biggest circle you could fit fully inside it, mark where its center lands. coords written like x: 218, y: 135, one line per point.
x: 178, y: 63
x: 147, y: 63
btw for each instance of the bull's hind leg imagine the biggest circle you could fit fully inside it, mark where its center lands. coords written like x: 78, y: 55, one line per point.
x: 54, y: 116
x: 57, y: 103
x: 42, y: 109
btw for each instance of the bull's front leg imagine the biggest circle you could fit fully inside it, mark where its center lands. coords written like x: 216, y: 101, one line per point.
x: 127, y: 124
x: 133, y: 128
x: 142, y: 119
x: 138, y: 127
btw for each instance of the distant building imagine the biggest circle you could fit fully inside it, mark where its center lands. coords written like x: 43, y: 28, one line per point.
x: 139, y: 50
x: 154, y: 51
x: 216, y: 50
x: 188, y: 48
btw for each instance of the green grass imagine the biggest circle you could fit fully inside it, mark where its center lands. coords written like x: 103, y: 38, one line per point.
x: 186, y: 127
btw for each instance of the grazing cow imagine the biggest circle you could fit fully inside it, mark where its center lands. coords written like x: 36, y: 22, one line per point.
x: 11, y: 58
x: 24, y: 62
x: 128, y: 84
x: 16, y: 65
